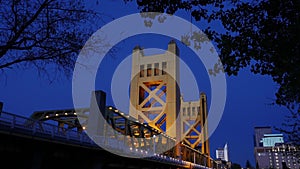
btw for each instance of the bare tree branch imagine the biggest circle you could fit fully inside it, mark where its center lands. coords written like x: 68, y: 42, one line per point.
x: 45, y: 32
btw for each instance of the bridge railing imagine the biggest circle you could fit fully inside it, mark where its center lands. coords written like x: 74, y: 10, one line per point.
x: 12, y: 122
x: 42, y: 130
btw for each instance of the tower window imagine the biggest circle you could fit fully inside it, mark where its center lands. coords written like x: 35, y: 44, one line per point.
x: 149, y: 70
x: 142, y: 67
x: 164, y: 67
x: 156, y: 69
x: 193, y: 111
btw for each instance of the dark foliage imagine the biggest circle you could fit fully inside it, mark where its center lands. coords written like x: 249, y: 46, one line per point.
x: 262, y: 35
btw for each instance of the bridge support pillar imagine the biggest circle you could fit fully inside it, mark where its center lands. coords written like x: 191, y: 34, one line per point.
x: 95, y: 126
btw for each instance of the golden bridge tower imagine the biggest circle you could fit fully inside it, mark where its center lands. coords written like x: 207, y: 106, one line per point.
x: 154, y: 91
x: 155, y: 99
x: 194, y: 126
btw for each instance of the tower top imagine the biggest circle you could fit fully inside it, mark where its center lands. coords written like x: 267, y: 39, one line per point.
x: 172, y: 47
x: 172, y: 41
x: 137, y: 47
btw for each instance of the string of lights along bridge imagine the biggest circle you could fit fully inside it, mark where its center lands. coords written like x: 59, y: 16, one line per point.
x: 160, y: 126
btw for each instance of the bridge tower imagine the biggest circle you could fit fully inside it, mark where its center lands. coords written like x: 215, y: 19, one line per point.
x: 194, y: 126
x: 155, y: 99
x: 154, y: 91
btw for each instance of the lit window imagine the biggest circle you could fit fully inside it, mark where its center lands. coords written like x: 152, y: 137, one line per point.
x: 149, y: 70
x: 156, y: 69
x: 142, y: 70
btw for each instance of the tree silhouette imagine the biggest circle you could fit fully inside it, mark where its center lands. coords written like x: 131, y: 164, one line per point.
x: 248, y: 165
x: 42, y: 33
x: 257, y: 166
x: 262, y: 35
x: 235, y: 166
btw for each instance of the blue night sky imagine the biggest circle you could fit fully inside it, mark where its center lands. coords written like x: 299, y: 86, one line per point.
x: 248, y: 95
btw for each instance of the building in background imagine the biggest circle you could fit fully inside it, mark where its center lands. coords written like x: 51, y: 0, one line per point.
x: 222, y: 158
x: 259, y: 133
x: 271, y: 152
x: 222, y: 153
x: 269, y: 140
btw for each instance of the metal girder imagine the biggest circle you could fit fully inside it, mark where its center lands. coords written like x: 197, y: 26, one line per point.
x: 150, y: 110
x: 67, y: 117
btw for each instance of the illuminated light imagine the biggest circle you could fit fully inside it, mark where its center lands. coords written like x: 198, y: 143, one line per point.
x: 75, y: 113
x: 66, y: 113
x: 110, y: 108
x: 122, y: 113
x: 137, y: 121
x: 127, y: 116
x: 130, y: 148
x: 116, y: 110
x: 47, y: 116
x: 141, y: 151
x: 56, y: 114
x: 136, y: 150
x: 83, y: 127
x: 146, y: 152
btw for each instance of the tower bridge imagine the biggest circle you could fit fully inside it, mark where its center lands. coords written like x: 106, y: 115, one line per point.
x: 155, y: 98
x: 158, y: 119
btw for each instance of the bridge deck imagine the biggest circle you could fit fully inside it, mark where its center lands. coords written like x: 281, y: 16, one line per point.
x: 22, y: 127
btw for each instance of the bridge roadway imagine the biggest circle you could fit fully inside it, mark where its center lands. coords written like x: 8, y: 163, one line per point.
x: 28, y: 144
